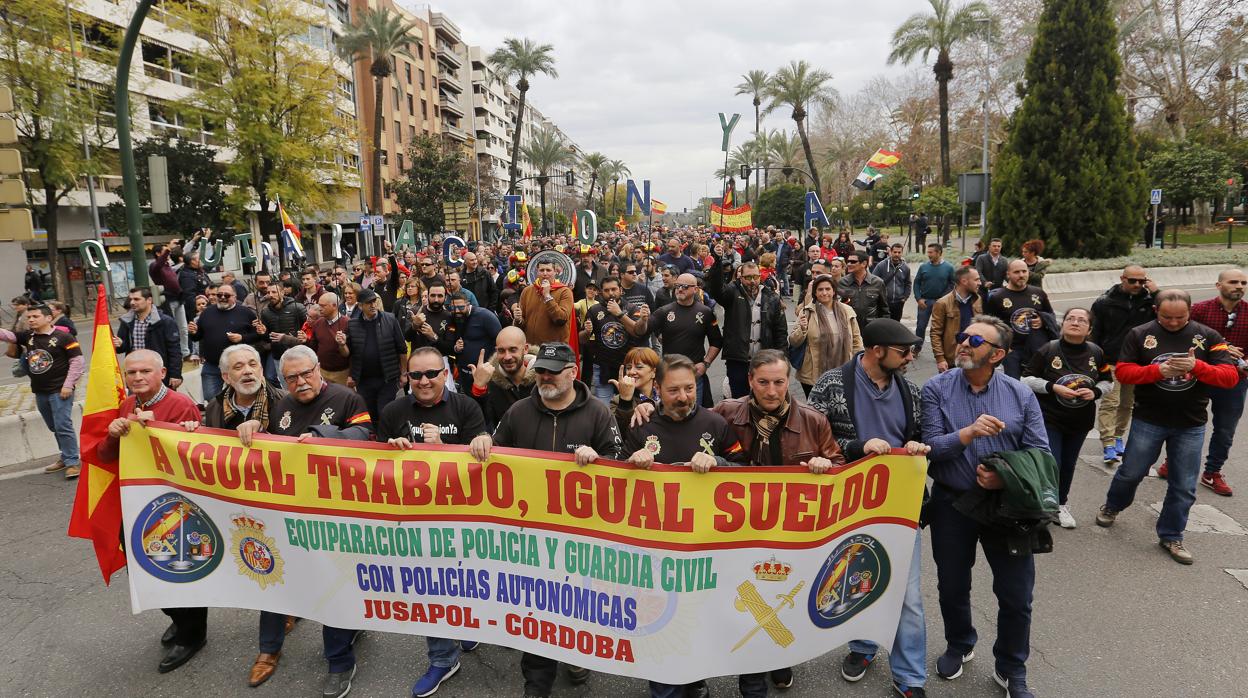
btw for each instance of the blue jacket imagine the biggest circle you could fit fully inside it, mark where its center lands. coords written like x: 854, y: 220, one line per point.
x: 478, y: 331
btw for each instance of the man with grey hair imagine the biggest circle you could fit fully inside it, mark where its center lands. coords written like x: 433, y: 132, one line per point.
x: 968, y: 414
x: 151, y: 400
x: 247, y: 400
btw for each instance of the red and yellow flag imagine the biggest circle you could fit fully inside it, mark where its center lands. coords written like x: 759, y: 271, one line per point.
x: 290, y: 232
x: 527, y: 223
x: 731, y: 220
x: 657, y: 207
x: 97, y: 504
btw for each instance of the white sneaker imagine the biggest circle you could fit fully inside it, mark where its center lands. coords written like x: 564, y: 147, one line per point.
x: 1064, y: 519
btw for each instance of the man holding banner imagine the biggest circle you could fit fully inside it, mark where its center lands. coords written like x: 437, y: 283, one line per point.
x: 315, y: 407
x: 151, y: 400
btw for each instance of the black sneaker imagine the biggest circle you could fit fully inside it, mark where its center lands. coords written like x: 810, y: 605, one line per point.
x: 914, y: 692
x: 1015, y: 687
x: 577, y: 675
x: 337, y: 685
x: 782, y: 678
x: 855, y: 666
x: 949, y: 664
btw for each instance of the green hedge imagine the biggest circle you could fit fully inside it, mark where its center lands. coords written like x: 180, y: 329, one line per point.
x: 1182, y: 257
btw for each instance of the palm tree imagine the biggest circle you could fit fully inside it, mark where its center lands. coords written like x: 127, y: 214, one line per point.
x: 754, y: 83
x: 800, y: 87
x: 378, y: 36
x: 545, y: 152
x: 939, y: 32
x: 784, y: 151
x: 614, y: 172
x: 521, y: 58
x: 595, y: 162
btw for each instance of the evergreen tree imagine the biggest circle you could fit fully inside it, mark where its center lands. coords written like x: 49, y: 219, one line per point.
x: 782, y: 205
x: 1069, y: 173
x: 435, y: 174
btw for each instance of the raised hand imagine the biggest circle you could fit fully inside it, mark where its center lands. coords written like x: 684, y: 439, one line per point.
x: 625, y: 385
x: 482, y: 371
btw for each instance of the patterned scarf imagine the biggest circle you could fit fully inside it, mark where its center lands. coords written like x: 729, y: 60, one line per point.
x: 259, y: 408
x: 766, y: 424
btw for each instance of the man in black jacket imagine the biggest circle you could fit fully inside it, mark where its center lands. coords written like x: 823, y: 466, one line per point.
x: 753, y: 320
x: 505, y: 378
x: 1125, y: 305
x: 862, y: 290
x: 280, y: 321
x: 378, y: 354
x: 223, y: 323
x: 192, y: 280
x: 561, y: 417
x: 475, y: 278
x: 145, y: 328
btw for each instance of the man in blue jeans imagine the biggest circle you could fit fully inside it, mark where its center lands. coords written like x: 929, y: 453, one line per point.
x: 931, y: 282
x: 969, y: 412
x: 54, y: 364
x: 865, y: 397
x: 1172, y: 361
x: 1228, y: 314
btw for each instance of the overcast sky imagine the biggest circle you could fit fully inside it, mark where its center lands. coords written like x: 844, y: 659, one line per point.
x: 644, y: 81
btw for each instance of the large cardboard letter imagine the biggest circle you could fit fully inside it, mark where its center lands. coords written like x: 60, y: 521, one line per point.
x: 336, y: 237
x: 587, y: 227
x: 727, y: 125
x: 450, y: 245
x: 512, y: 204
x: 246, y: 254
x: 814, y: 211
x: 95, y: 257
x: 644, y: 202
x: 407, y: 236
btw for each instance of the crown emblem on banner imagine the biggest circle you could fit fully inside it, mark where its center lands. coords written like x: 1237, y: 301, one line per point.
x: 244, y: 521
x: 772, y: 570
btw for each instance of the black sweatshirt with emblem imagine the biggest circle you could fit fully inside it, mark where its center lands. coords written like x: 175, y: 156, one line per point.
x: 1075, y: 366
x: 458, y: 418
x: 336, y: 406
x: 675, y: 442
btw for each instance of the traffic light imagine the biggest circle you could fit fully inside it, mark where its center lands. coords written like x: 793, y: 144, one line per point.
x: 569, y: 178
x: 745, y: 172
x: 915, y: 191
x: 15, y: 223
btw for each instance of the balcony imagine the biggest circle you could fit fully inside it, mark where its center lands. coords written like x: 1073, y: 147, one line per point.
x: 447, y: 54
x: 454, y: 132
x: 451, y: 105
x: 450, y: 80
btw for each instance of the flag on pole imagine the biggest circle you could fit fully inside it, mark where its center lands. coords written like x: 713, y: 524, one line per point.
x: 728, y: 194
x: 526, y: 222
x: 292, y: 239
x: 657, y: 207
x: 97, y: 504
x: 731, y: 220
x: 621, y: 224
x: 575, y: 229
x: 882, y: 160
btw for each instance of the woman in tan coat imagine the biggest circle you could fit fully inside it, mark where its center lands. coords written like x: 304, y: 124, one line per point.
x: 828, y: 328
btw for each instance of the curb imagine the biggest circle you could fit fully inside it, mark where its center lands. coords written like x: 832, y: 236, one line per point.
x: 1098, y: 281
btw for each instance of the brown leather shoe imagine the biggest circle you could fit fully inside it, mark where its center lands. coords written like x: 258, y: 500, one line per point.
x: 264, y: 667
x: 290, y: 623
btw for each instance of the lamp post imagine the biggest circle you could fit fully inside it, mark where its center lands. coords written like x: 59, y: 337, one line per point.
x: 983, y: 204
x: 129, y: 181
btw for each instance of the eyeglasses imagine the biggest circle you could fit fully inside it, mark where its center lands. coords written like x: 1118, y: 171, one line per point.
x: 294, y: 378
x: 973, y: 340
x: 430, y: 374
x: 459, y: 308
x: 1134, y: 281
x: 904, y: 351
x: 851, y: 261
x: 630, y: 271
x: 225, y: 295
x: 685, y: 287
x: 1076, y: 320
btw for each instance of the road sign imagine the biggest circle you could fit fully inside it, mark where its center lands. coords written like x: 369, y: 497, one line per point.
x: 15, y: 223
x: 1155, y: 197
x: 379, y: 222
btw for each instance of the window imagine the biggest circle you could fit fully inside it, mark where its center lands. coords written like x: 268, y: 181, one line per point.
x: 424, y: 109
x: 394, y: 97
x: 407, y: 69
x: 347, y: 88
x: 401, y: 168
x: 411, y: 133
x: 421, y: 71
x: 410, y: 107
x: 385, y: 157
x: 398, y: 132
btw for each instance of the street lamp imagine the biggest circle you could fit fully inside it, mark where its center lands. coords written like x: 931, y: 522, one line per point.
x: 983, y: 204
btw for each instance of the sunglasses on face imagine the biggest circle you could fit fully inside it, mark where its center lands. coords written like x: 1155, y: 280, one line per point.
x: 685, y: 287
x: 904, y: 351
x: 225, y: 295
x: 430, y: 374
x: 973, y: 340
x: 1134, y: 281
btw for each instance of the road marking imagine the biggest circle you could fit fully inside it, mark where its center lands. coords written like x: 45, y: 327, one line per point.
x: 1206, y: 518
x: 21, y: 473
x: 1241, y: 575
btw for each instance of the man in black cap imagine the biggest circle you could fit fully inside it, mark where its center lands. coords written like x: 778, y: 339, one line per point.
x: 560, y: 416
x: 870, y: 395
x: 378, y: 354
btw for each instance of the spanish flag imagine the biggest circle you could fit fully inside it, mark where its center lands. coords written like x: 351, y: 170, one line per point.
x: 731, y: 220
x: 882, y: 160
x: 621, y: 224
x: 527, y: 222
x: 97, y: 504
x: 657, y: 207
x: 291, y: 237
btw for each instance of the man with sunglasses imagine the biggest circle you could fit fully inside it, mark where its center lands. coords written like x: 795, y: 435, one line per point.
x: 313, y: 407
x: 223, y: 323
x: 687, y: 326
x: 969, y: 412
x: 634, y: 293
x: 1172, y: 361
x: 472, y: 332
x: 1024, y: 308
x: 862, y: 290
x: 560, y: 416
x: 753, y: 318
x: 873, y: 408
x: 1125, y: 305
x: 434, y: 415
x: 1228, y: 314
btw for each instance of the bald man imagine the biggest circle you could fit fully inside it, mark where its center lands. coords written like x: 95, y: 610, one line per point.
x: 1020, y: 306
x: 686, y: 326
x: 499, y: 381
x: 151, y: 400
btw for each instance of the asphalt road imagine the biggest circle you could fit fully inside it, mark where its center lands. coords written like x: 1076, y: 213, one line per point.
x: 1113, y: 615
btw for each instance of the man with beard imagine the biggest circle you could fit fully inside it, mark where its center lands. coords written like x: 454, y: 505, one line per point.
x: 1228, y: 314
x: 319, y: 408
x: 280, y: 322
x: 590, y: 272
x: 473, y: 330
x: 475, y: 278
x: 144, y: 327
x: 505, y: 378
x: 545, y: 311
x: 753, y: 319
x: 1124, y: 305
x: 683, y: 433
x: 1020, y: 306
x: 151, y: 400
x: 606, y: 332
x: 870, y: 397
x: 222, y: 324
x: 969, y: 413
x: 378, y: 354
x: 686, y: 327
x: 434, y: 415
x: 561, y: 417
x: 676, y: 258
x: 667, y: 294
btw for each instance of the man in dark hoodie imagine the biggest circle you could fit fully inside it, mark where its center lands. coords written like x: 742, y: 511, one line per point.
x: 505, y: 378
x: 560, y: 417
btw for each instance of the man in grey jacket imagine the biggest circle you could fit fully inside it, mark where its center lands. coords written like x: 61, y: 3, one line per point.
x: 862, y: 290
x: 896, y: 276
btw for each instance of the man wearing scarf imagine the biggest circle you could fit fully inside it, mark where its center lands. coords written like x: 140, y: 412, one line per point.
x: 150, y: 400
x: 870, y: 396
x: 775, y: 430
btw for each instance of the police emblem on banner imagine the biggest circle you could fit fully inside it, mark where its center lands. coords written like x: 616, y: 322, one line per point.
x: 174, y: 540
x: 853, y: 577
x: 254, y: 552
x: 766, y: 615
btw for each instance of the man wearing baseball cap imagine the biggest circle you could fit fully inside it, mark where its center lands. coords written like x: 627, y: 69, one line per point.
x: 378, y: 354
x: 870, y: 395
